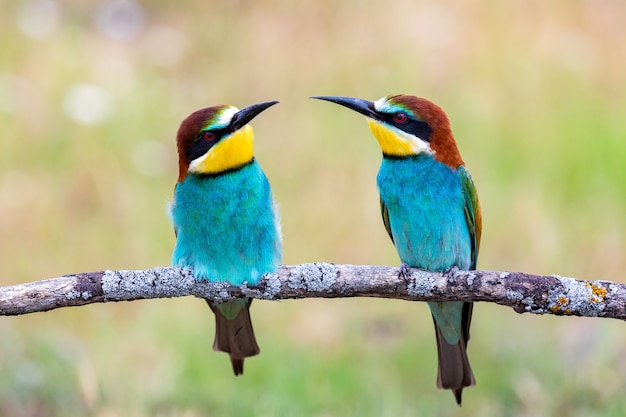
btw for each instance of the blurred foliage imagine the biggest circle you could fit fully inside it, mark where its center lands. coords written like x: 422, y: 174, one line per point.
x: 91, y: 95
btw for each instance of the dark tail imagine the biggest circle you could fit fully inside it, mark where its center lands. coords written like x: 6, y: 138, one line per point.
x: 235, y: 337
x: 454, y: 371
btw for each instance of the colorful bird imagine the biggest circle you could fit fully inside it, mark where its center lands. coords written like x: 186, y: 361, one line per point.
x: 224, y: 216
x: 430, y: 209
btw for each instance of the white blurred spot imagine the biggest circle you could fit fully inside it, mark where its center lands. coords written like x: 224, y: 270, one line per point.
x: 38, y: 18
x: 87, y: 103
x: 151, y: 158
x: 121, y: 20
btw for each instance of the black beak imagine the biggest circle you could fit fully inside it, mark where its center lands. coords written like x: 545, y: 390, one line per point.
x: 364, y: 107
x: 243, y: 116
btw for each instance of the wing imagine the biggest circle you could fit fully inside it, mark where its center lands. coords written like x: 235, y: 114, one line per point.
x: 385, y: 214
x: 472, y: 212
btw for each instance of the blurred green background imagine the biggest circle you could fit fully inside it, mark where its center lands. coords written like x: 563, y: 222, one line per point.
x: 91, y: 96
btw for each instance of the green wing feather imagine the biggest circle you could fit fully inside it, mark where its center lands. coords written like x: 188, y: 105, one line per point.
x: 385, y: 213
x: 472, y: 212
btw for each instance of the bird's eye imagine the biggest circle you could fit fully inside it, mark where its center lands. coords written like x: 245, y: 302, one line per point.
x: 208, y: 136
x: 400, y: 117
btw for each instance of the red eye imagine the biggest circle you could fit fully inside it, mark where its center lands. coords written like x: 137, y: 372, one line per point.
x: 400, y: 117
x: 208, y: 136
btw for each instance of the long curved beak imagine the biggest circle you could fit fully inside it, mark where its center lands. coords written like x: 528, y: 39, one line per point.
x: 364, y: 107
x: 245, y: 115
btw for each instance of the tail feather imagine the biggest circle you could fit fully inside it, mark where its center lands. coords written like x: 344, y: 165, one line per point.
x: 235, y: 337
x: 454, y: 371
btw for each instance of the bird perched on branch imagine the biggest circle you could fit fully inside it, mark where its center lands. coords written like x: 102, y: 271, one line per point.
x: 430, y: 209
x: 224, y: 216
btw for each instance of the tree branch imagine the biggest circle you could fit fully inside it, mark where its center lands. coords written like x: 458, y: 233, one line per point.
x: 522, y: 292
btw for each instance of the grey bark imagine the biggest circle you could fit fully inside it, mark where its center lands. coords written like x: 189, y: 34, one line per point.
x: 522, y: 292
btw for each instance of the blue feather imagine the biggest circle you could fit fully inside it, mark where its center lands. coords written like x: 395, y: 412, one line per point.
x: 425, y: 203
x: 227, y: 226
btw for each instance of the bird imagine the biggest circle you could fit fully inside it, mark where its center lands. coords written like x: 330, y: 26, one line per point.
x: 224, y: 216
x: 430, y: 209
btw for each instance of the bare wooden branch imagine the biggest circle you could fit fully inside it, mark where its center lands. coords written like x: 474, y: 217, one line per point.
x: 522, y: 292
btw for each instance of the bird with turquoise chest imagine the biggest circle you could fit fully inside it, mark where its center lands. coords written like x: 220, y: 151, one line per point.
x: 225, y: 219
x: 430, y: 209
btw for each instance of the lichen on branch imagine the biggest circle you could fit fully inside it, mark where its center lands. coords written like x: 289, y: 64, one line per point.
x: 523, y: 292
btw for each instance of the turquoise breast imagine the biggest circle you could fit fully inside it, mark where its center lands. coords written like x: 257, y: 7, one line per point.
x: 226, y: 225
x: 424, y: 198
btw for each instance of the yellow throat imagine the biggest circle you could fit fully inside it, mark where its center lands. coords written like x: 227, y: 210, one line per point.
x: 230, y: 152
x: 394, y: 142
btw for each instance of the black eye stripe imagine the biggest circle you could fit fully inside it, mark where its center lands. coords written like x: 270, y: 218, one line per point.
x: 412, y: 126
x: 200, y: 146
x: 418, y: 128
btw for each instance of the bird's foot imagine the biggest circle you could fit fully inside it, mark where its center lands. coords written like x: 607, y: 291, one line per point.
x: 404, y: 272
x: 448, y: 273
